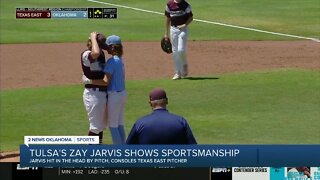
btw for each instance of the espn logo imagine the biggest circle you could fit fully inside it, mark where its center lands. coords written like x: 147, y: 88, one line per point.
x: 26, y: 168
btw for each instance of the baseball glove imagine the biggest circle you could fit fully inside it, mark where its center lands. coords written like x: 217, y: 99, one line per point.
x: 166, y: 45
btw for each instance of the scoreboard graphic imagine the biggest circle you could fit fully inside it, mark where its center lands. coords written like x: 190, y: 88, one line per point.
x: 66, y: 13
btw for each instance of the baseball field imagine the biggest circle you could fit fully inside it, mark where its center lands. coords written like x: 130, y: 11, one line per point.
x: 254, y: 69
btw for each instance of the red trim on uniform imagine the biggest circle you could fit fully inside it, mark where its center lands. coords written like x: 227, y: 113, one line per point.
x: 177, y: 9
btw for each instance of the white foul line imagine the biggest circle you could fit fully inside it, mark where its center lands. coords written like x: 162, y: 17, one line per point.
x: 211, y: 22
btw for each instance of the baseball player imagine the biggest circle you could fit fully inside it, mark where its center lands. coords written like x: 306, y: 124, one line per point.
x: 94, y: 96
x: 160, y: 127
x: 114, y: 78
x: 178, y: 16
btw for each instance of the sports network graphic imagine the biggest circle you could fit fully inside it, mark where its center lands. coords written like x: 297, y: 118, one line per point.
x: 66, y: 13
x: 17, y: 172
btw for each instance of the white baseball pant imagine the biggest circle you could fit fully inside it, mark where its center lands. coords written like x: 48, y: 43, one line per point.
x: 179, y: 40
x: 95, y: 102
x: 116, y: 103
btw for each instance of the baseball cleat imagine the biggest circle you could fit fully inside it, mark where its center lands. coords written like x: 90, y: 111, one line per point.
x: 184, y: 70
x: 176, y: 77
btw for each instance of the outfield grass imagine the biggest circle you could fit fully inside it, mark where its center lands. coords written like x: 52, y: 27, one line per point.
x: 277, y: 107
x: 285, y: 16
x: 274, y: 107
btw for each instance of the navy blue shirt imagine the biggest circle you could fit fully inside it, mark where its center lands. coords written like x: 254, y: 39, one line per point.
x: 161, y: 127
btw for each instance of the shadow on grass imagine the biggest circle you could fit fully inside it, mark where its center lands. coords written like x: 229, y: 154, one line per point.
x: 201, y: 78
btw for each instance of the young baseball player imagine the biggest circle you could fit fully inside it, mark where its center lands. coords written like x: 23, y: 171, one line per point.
x: 117, y: 96
x: 178, y: 16
x: 94, y: 96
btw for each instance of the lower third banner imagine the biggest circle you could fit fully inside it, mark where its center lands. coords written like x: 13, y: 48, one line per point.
x: 169, y: 155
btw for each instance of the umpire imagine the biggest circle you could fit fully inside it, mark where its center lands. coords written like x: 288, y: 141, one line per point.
x: 161, y: 126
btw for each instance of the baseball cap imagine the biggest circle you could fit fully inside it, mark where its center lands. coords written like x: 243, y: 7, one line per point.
x: 157, y: 94
x: 113, y: 39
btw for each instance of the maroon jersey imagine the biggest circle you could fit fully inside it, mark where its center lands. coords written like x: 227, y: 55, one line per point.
x: 179, y: 13
x: 92, y: 68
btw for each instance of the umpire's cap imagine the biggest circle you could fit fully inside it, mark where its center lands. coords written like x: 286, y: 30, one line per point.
x: 157, y: 94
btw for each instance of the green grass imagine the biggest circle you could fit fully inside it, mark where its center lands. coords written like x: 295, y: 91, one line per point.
x: 274, y: 107
x: 285, y: 16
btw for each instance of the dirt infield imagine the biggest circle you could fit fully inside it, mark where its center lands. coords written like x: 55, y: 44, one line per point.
x: 12, y: 156
x: 38, y: 65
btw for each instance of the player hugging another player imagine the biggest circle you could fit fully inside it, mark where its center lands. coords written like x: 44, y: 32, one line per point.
x: 114, y: 79
x: 95, y: 95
